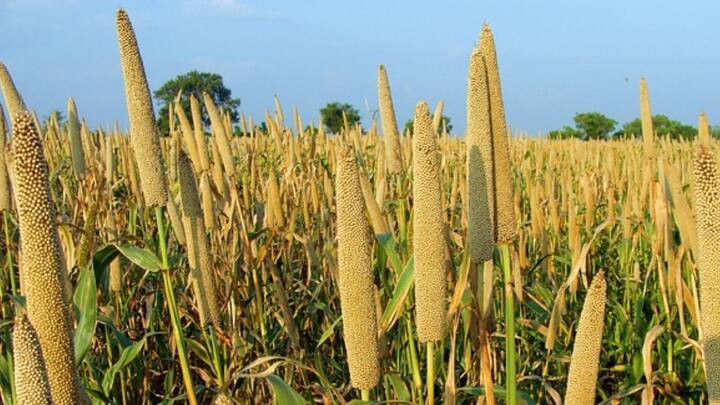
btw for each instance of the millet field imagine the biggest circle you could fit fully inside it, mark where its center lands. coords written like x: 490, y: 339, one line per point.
x: 286, y: 263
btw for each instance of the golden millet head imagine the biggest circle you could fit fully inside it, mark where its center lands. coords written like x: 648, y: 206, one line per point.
x: 582, y: 377
x: 504, y: 195
x: 13, y: 100
x: 393, y: 152
x: 707, y: 213
x: 189, y: 200
x: 5, y: 193
x: 76, y: 146
x: 429, y: 234
x: 143, y: 130
x: 42, y: 271
x: 356, y: 280
x: 31, y: 380
x: 480, y: 171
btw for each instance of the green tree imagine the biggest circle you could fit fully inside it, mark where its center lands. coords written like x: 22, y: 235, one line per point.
x: 565, y: 133
x: 195, y: 83
x: 662, y: 126
x: 444, y: 122
x: 594, y: 125
x: 589, y: 125
x: 332, y: 115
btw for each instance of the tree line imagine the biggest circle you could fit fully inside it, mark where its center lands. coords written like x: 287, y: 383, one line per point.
x: 595, y: 125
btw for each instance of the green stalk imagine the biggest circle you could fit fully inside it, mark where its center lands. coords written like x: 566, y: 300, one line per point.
x: 172, y: 306
x: 414, y: 363
x: 430, y: 399
x: 365, y: 395
x: 10, y: 266
x: 510, y: 353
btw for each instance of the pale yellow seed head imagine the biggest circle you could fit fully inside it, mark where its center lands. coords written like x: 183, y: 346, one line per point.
x: 76, y: 145
x: 202, y: 269
x: 199, y: 132
x: 376, y: 217
x: 393, y: 151
x: 220, y: 135
x: 479, y: 160
x: 648, y: 133
x: 13, y: 100
x: 707, y: 212
x: 31, y: 379
x: 356, y: 280
x: 5, y: 192
x: 584, y: 364
x: 143, y: 130
x: 42, y: 271
x: 505, y: 224
x: 187, y: 135
x: 703, y: 129
x: 429, y: 233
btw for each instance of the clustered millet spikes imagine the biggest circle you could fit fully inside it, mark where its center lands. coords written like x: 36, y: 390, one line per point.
x: 376, y: 217
x: 220, y: 135
x: 703, y: 129
x: 648, y: 134
x: 429, y: 234
x: 31, y: 379
x: 187, y: 135
x: 437, y: 116
x: 143, y: 130
x: 175, y: 220
x: 707, y: 207
x: 76, y: 146
x: 393, y: 151
x: 42, y: 270
x: 357, y: 289
x: 480, y: 181
x: 502, y: 169
x: 197, y: 244
x: 13, y: 100
x: 5, y: 199
x: 582, y: 376
x: 199, y: 133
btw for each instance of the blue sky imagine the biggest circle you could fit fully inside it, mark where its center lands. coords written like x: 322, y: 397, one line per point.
x: 556, y: 58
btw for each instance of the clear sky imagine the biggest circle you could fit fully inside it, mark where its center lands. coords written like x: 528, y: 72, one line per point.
x: 556, y: 57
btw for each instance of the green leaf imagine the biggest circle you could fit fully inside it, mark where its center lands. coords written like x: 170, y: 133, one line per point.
x: 328, y: 332
x: 199, y: 350
x: 397, y: 302
x: 85, y: 300
x: 399, y: 388
x: 126, y: 357
x: 105, y: 255
x: 388, y: 243
x: 284, y: 394
x: 143, y: 258
x: 522, y: 397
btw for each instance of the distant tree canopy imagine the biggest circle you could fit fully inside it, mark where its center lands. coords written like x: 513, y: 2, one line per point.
x: 590, y: 125
x: 332, y: 115
x: 444, y: 123
x: 662, y: 125
x: 594, y: 125
x: 195, y: 83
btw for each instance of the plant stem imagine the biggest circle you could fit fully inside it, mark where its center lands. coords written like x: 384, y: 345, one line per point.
x: 510, y: 354
x: 417, y: 377
x: 172, y: 306
x: 365, y: 395
x: 430, y: 399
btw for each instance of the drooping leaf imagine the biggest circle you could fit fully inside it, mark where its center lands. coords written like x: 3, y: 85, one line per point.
x: 284, y: 394
x: 85, y: 300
